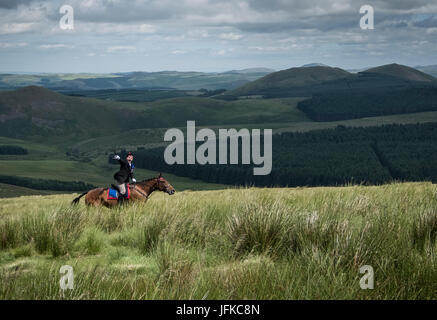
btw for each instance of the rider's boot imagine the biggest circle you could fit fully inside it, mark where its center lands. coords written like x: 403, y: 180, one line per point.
x: 121, y: 199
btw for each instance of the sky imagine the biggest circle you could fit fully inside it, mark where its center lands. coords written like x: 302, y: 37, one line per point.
x: 213, y: 36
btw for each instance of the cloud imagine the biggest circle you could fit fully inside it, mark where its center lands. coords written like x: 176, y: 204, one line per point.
x: 265, y: 33
x: 55, y: 46
x: 114, y: 28
x: 428, y: 22
x: 12, y: 4
x: 5, y: 45
x: 230, y: 36
x: 126, y: 49
x: 11, y: 28
x: 224, y: 52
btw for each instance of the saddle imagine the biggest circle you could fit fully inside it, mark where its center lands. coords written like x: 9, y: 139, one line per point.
x: 114, y: 192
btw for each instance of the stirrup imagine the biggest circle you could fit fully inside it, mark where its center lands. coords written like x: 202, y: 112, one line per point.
x: 121, y: 199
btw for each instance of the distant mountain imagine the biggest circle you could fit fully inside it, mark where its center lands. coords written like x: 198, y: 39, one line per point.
x: 314, y: 65
x: 252, y: 70
x: 290, y: 78
x: 357, y: 70
x: 311, y: 80
x: 138, y: 80
x: 400, y: 71
x: 431, y: 70
x: 384, y: 90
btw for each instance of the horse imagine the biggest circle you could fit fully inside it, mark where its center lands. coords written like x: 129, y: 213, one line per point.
x: 139, y: 192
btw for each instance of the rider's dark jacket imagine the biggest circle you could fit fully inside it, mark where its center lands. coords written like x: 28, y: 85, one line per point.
x: 126, y: 171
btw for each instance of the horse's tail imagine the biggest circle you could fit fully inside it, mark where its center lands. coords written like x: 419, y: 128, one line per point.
x: 75, y: 201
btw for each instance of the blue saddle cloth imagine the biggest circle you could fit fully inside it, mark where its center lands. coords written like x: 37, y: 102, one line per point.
x: 112, y: 194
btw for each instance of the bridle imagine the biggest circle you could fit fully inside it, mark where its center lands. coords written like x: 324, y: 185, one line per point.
x: 141, y: 192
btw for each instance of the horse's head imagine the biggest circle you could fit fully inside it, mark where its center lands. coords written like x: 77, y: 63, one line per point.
x: 164, y: 186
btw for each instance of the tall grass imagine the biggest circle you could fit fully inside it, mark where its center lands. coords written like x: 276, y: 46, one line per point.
x: 304, y: 243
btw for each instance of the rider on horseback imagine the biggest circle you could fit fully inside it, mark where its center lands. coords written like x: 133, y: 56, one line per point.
x: 123, y: 175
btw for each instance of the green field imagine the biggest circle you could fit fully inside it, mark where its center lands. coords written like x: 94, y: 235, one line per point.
x: 132, y: 94
x: 290, y: 243
x: 35, y: 149
x: 10, y: 191
x: 87, y: 172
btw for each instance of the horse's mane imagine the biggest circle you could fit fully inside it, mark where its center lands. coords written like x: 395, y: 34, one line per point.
x: 147, y: 180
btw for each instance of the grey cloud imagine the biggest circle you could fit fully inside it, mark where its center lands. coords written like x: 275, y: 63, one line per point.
x: 430, y: 22
x: 331, y: 5
x: 115, y: 12
x: 336, y: 12
x: 324, y: 23
x: 13, y: 4
x: 404, y: 4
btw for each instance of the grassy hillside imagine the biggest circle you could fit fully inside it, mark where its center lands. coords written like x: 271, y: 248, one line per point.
x: 11, y: 191
x: 294, y: 77
x: 176, y: 112
x: 305, y: 243
x: 315, y: 80
x: 403, y: 72
x: 35, y: 111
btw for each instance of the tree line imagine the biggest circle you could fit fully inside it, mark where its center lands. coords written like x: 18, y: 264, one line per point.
x: 43, y: 184
x: 372, y: 155
x: 352, y: 105
x: 13, y: 150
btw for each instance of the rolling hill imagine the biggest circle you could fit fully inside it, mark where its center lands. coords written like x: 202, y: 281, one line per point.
x: 36, y: 111
x: 313, y: 80
x: 316, y: 64
x: 132, y: 80
x: 290, y: 78
x: 385, y: 90
x: 431, y: 70
x: 404, y: 72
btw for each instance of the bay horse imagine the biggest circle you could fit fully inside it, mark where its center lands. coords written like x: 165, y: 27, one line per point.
x: 139, y: 192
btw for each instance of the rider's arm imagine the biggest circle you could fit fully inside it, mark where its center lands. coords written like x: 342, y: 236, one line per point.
x: 121, y: 161
x: 131, y: 174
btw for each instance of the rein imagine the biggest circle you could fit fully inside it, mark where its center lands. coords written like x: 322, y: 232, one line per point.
x: 140, y: 192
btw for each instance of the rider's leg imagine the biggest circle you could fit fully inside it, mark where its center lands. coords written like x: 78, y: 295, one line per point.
x: 122, y: 191
x: 122, y: 188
